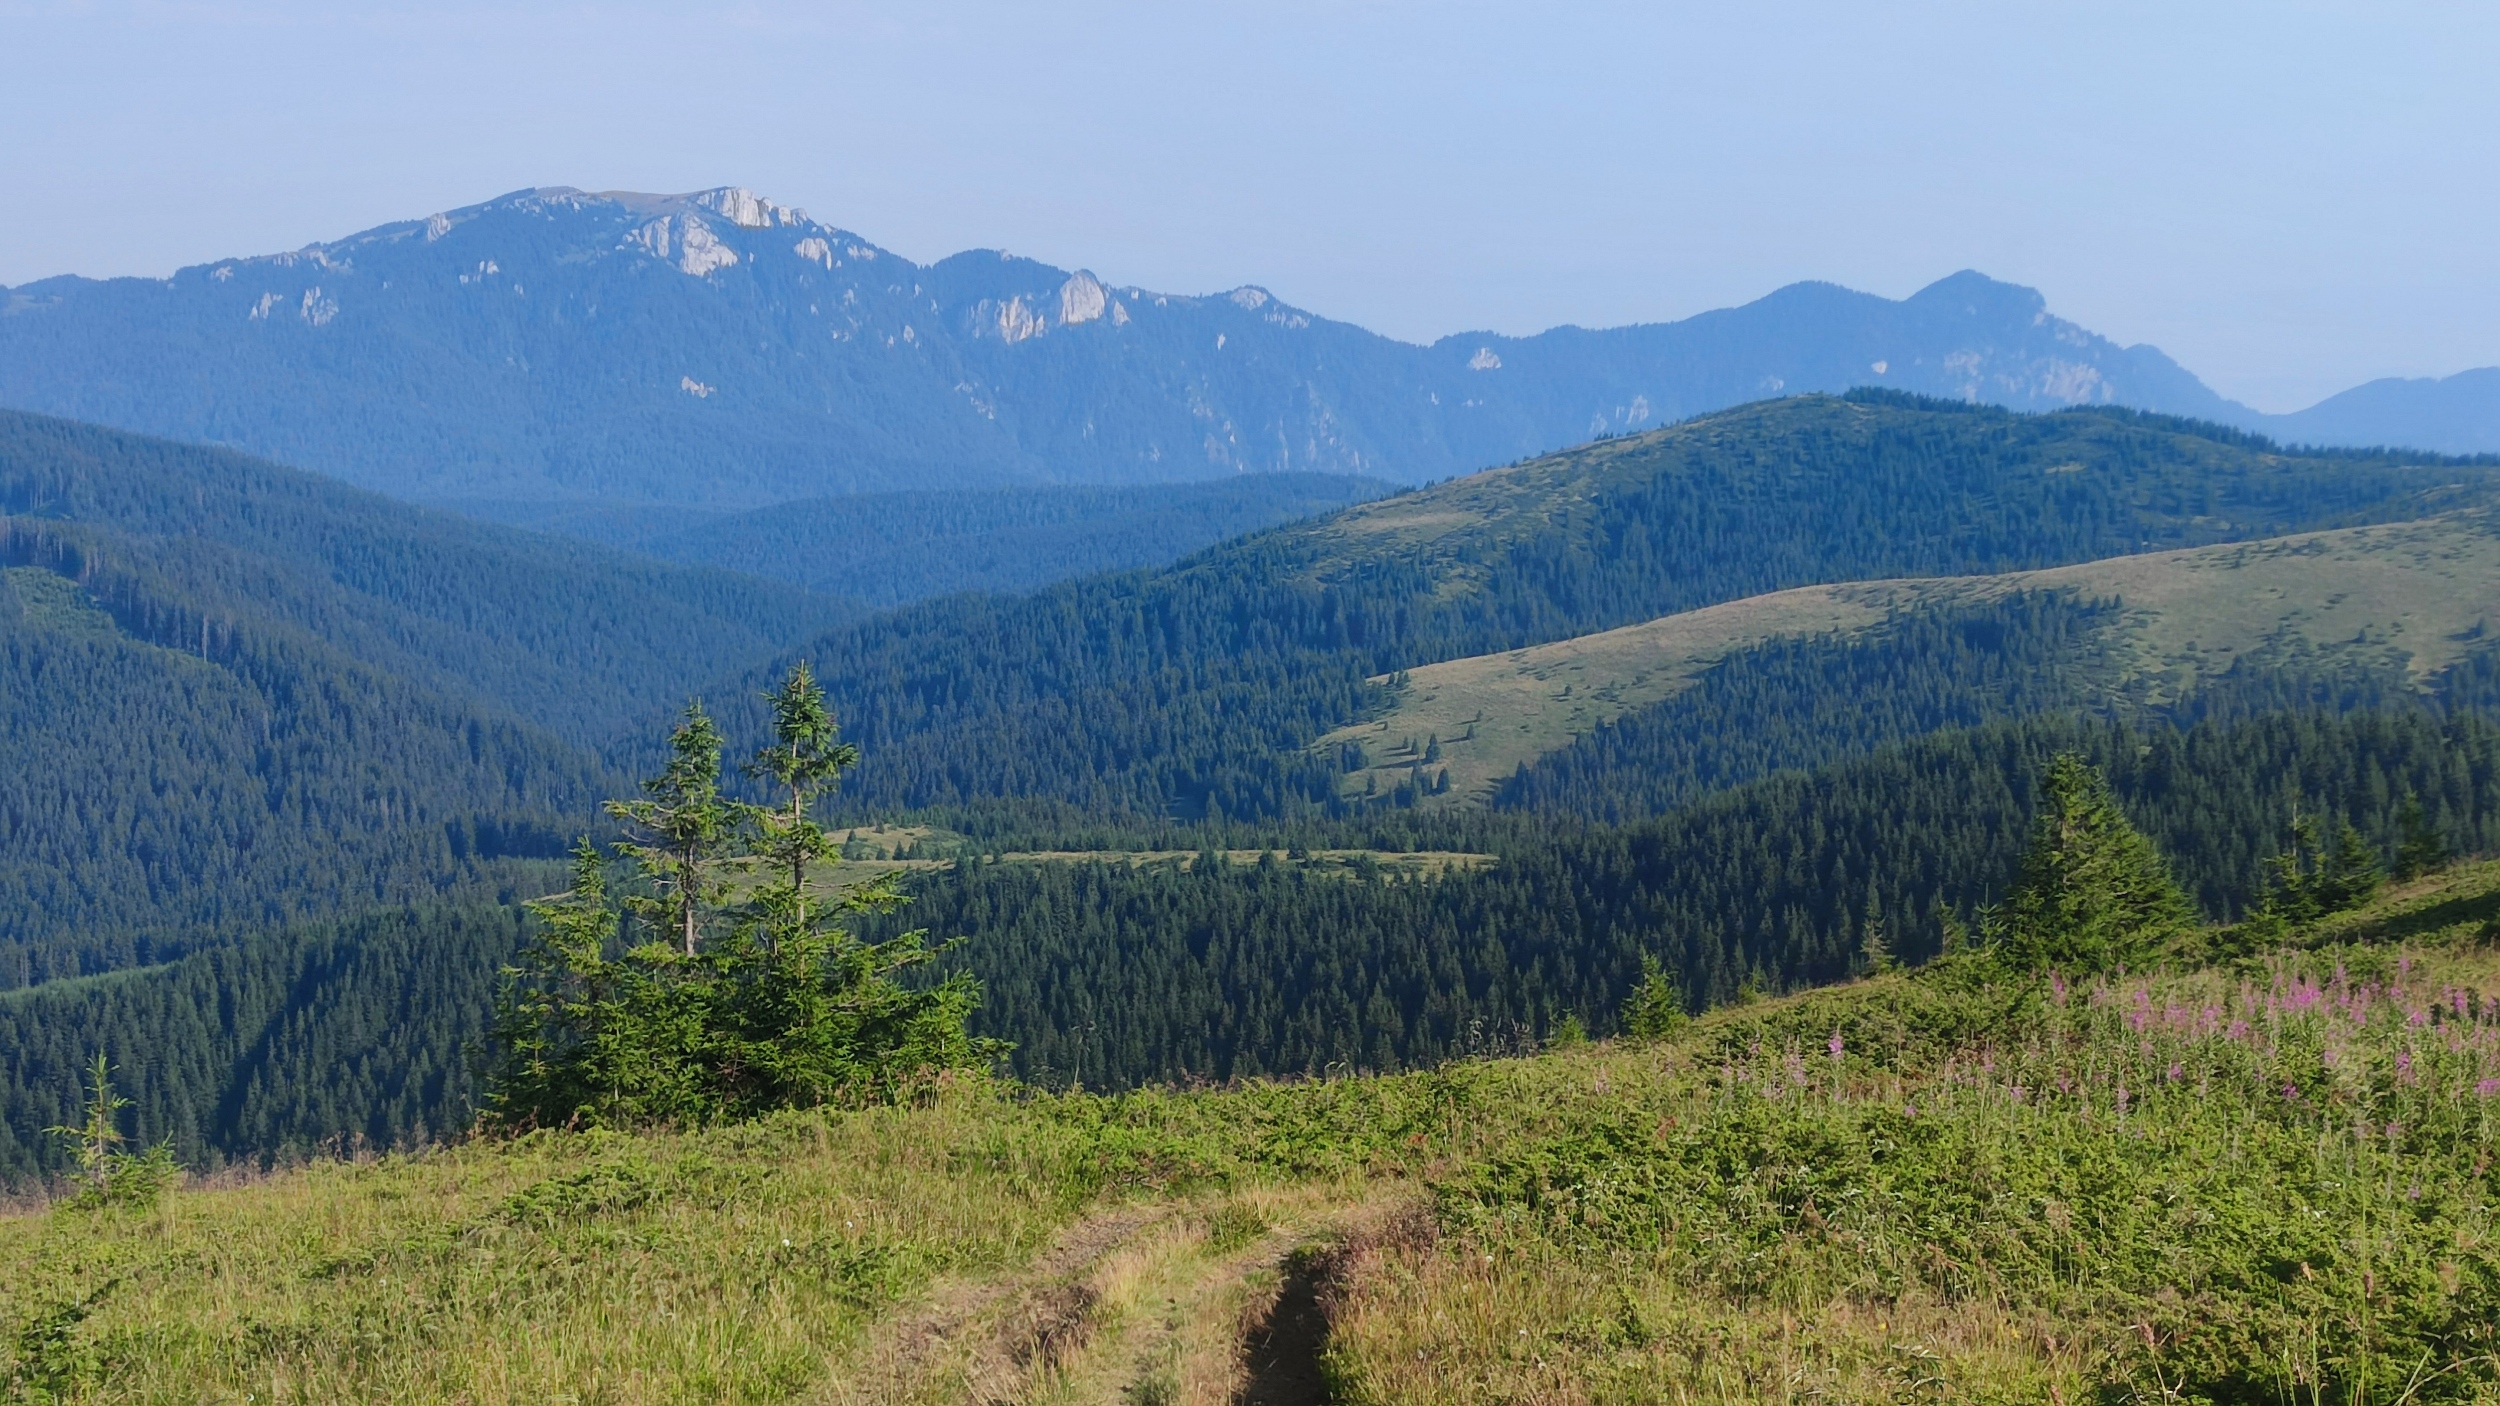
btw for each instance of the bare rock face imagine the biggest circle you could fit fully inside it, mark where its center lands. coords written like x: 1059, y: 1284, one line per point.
x: 1081, y: 299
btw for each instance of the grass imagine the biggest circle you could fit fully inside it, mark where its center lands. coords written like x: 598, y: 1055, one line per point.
x: 2421, y: 591
x: 2270, y: 1179
x: 1329, y: 863
x: 1427, y: 864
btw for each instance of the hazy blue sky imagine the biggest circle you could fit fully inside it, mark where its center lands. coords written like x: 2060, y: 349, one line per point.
x: 2290, y: 198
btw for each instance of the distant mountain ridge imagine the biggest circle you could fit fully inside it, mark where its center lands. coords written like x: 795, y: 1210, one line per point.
x: 718, y: 348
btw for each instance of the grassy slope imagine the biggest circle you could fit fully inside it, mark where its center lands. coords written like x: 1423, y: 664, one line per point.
x: 2235, y: 1182
x: 2419, y: 591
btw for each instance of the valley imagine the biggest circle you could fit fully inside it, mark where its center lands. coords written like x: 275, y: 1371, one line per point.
x: 1214, y: 865
x: 1320, y: 706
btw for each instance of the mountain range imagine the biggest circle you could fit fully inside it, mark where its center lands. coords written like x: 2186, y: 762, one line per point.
x: 719, y: 349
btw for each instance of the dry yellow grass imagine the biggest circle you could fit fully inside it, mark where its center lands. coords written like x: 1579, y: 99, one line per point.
x: 2418, y: 591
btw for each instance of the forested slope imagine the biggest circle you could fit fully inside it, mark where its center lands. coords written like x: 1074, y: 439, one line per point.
x: 1193, y: 690
x: 1120, y: 974
x: 1115, y: 974
x: 577, y: 638
x: 161, y: 789
x: 234, y: 696
x: 2407, y: 599
x: 355, y: 1031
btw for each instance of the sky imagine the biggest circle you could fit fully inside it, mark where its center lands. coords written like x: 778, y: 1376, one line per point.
x: 2289, y: 198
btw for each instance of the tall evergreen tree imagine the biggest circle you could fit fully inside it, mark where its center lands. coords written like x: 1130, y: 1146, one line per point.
x: 1655, y: 1008
x: 2419, y: 846
x: 2291, y: 893
x: 804, y: 758
x: 682, y: 830
x: 2093, y: 891
x: 2349, y: 874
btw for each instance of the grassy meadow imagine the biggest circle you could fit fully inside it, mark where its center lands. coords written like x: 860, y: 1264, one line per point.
x: 2264, y: 1173
x: 2419, y: 591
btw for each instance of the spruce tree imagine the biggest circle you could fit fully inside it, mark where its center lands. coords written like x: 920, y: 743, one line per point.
x: 110, y: 1176
x: 1874, y: 956
x: 97, y: 1139
x: 2291, y: 892
x: 2349, y: 874
x: 2419, y: 848
x: 2093, y: 892
x: 1654, y: 1008
x: 803, y: 760
x: 681, y: 832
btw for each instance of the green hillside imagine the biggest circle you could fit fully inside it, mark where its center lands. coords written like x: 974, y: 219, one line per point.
x: 1116, y: 975
x: 244, y: 701
x: 1198, y: 689
x: 2414, y: 597
x: 321, y: 1038
x: 2270, y: 1179
x: 575, y: 638
x: 1114, y: 969
x: 155, y: 798
x: 238, y: 697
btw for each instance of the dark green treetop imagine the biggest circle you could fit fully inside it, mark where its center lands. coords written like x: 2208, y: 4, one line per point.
x: 2093, y: 892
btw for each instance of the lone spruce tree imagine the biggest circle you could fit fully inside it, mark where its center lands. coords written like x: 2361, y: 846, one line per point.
x: 742, y: 1000
x: 2308, y: 880
x: 2093, y: 891
x: 107, y: 1175
x: 1655, y: 1009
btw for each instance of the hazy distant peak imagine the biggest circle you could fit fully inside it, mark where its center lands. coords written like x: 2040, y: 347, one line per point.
x: 1977, y: 295
x: 717, y: 346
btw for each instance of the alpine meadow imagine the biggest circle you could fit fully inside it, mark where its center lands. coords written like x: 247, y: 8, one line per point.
x: 638, y: 799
